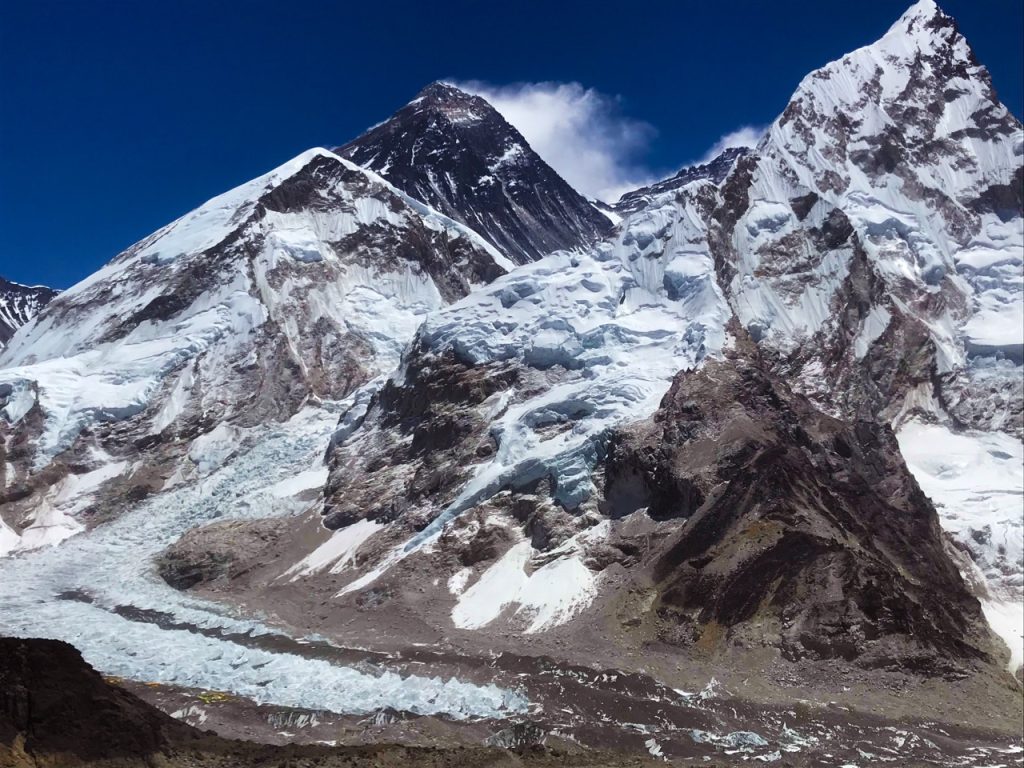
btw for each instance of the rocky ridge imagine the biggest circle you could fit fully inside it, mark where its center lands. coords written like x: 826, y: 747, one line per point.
x: 715, y: 170
x: 19, y: 304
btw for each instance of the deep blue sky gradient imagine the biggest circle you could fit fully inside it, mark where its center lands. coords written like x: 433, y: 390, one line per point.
x: 116, y: 116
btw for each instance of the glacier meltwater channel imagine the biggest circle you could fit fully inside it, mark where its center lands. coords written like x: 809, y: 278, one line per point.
x: 113, y: 566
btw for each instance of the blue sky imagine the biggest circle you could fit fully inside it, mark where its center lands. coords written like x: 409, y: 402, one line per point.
x: 117, y: 116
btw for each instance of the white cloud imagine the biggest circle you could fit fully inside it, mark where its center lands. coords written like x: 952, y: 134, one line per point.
x: 744, y: 136
x: 579, y: 132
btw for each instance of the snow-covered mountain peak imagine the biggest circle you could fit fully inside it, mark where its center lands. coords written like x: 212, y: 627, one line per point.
x: 455, y: 152
x: 908, y: 139
x: 921, y: 19
x: 873, y: 246
x: 301, y: 212
x: 298, y: 287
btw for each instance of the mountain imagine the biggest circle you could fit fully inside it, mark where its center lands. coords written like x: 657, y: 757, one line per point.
x: 861, y: 250
x: 19, y: 304
x: 319, y: 444
x: 457, y: 154
x: 874, y: 246
x: 715, y: 170
x: 883, y: 208
x: 301, y: 285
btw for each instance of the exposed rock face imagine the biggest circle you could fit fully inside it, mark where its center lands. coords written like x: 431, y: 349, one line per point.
x: 57, y: 709
x: 455, y: 152
x: 19, y: 304
x: 715, y: 171
x: 430, y: 434
x: 797, y: 531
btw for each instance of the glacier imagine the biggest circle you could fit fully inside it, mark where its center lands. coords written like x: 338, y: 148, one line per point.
x: 111, y: 567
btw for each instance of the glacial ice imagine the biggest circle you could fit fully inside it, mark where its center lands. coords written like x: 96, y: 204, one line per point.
x: 112, y: 564
x: 619, y: 336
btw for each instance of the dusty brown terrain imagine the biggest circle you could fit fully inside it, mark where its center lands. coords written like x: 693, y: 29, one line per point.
x: 57, y: 711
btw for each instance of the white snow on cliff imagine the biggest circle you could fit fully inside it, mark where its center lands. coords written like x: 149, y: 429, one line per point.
x: 976, y: 480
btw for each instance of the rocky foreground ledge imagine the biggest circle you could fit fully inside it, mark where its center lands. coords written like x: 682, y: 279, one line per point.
x: 56, y: 710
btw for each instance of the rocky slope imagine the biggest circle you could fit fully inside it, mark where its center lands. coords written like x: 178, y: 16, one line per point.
x: 455, y: 152
x: 19, y: 304
x: 798, y: 531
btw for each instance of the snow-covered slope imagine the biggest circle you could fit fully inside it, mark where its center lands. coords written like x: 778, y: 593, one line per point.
x: 453, y: 151
x: 303, y: 284
x: 19, y: 304
x: 976, y: 480
x: 883, y: 210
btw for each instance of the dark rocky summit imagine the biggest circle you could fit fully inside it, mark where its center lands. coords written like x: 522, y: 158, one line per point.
x: 456, y: 153
x: 19, y: 304
x: 715, y: 170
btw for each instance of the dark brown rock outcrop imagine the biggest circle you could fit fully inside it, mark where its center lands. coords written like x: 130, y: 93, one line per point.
x: 55, y: 706
x: 802, y: 532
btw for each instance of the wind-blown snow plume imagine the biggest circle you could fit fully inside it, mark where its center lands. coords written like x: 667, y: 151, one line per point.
x: 744, y: 136
x: 579, y: 131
